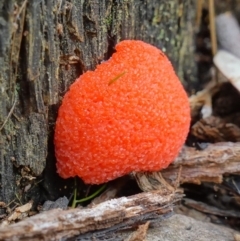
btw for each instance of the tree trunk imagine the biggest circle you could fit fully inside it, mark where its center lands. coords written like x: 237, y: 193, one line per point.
x: 44, y: 46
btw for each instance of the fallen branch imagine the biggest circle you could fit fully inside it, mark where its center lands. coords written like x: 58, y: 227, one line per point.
x: 208, y: 165
x: 114, y: 214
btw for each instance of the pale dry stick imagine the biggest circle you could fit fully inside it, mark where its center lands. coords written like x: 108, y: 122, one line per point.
x: 22, y: 7
x: 213, y: 34
x: 203, y: 98
x: 60, y: 5
x: 17, y: 38
x: 14, y: 55
x: 212, y: 26
x: 177, y: 182
x: 199, y: 13
x: 9, y: 114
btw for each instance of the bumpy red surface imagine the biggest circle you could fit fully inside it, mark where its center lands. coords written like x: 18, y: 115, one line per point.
x: 130, y: 114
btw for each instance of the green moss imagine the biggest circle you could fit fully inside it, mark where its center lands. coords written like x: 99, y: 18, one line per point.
x: 108, y: 21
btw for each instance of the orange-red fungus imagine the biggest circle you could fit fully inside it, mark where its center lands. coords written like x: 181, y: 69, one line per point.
x: 130, y: 114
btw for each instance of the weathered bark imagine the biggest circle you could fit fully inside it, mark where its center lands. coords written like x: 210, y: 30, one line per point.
x: 109, y: 216
x: 207, y: 165
x: 44, y: 46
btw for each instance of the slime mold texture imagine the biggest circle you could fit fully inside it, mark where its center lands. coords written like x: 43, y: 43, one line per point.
x: 130, y: 114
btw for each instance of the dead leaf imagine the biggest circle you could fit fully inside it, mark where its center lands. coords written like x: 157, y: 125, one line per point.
x: 139, y: 234
x: 228, y: 64
x: 20, y: 212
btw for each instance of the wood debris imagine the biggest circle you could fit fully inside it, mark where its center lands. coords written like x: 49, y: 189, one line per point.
x: 204, y: 208
x: 139, y: 234
x: 215, y: 129
x: 208, y: 165
x: 19, y: 213
x: 110, y: 192
x: 236, y: 237
x: 119, y: 213
x: 201, y: 102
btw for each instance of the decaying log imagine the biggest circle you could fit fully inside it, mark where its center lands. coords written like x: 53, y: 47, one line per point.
x: 208, y: 165
x: 115, y: 214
